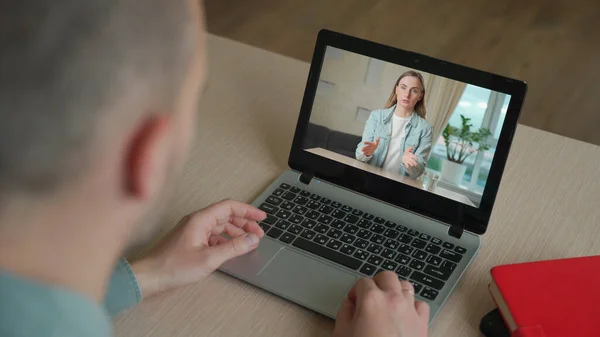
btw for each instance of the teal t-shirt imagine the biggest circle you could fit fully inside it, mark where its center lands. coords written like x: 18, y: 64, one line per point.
x: 31, y: 309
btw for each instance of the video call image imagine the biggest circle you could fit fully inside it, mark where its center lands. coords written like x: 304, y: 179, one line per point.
x: 424, y: 130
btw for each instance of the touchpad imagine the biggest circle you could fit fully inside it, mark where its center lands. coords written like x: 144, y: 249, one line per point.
x: 306, y: 281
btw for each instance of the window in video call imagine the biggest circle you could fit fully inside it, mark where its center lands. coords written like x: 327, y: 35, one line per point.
x: 421, y: 129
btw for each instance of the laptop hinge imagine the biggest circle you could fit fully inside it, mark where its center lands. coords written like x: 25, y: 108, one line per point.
x: 306, y: 177
x: 456, y: 231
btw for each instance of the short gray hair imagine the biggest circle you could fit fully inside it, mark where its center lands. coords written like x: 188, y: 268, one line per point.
x: 64, y: 63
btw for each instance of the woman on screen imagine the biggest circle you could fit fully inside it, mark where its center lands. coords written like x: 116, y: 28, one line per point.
x: 398, y: 138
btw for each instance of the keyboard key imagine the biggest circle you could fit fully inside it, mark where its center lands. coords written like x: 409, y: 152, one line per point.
x: 295, y: 229
x: 321, y: 228
x: 390, y: 224
x: 296, y: 219
x: 351, y: 218
x: 326, y: 219
x: 313, y: 204
x: 389, y: 265
x: 315, y: 197
x: 285, y: 186
x: 338, y: 214
x: 327, y: 253
x: 274, y: 200
x: 338, y: 224
x: 416, y: 264
x: 432, y: 249
x: 346, y: 208
x: 392, y: 244
x: 379, y: 229
x: 391, y: 234
x: 300, y: 210
x: 405, y: 238
x: 336, y: 204
x: 334, y: 233
x: 402, y: 259
x: 388, y: 253
x: 321, y: 239
x: 334, y: 244
x: 418, y: 243
x: 419, y: 254
x: 264, y: 226
x: 361, y: 243
x: 460, y: 250
x: 287, y: 205
x: 448, y: 245
x: 379, y: 220
x: 405, y: 249
x: 424, y: 237
x: 325, y: 201
x: 440, y: 273
x: 450, y: 255
x: 283, y: 214
x: 363, y: 234
x: 417, y: 286
x: 351, y: 229
x: 289, y: 196
x: 364, y: 223
x: 429, y: 293
x: 403, y: 272
x: 375, y: 260
x: 368, y: 216
x: 308, y: 234
x: 287, y: 237
x: 412, y: 232
x: 325, y: 209
x: 282, y: 224
x: 427, y: 280
x: 434, y: 260
x: 274, y: 232
x: 270, y: 219
x: 295, y: 189
x: 375, y: 249
x: 378, y: 239
x: 436, y: 241
x: 401, y: 228
x: 301, y: 200
x: 448, y: 265
x: 347, y: 249
x: 278, y: 192
x: 308, y: 223
x: 361, y: 254
x: 305, y: 193
x: 312, y: 215
x: 367, y: 269
x: 357, y: 212
x: 268, y: 208
x: 347, y: 238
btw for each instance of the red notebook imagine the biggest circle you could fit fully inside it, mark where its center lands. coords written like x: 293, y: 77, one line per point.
x: 554, y: 298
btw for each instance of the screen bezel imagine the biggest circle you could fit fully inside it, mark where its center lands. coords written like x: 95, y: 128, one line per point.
x: 413, y: 199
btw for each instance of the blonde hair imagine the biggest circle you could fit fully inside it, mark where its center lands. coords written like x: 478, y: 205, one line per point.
x: 420, y: 106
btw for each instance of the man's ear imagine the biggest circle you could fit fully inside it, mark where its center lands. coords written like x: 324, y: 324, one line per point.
x: 147, y: 157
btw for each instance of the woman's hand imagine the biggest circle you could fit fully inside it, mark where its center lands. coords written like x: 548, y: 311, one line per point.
x: 370, y: 147
x: 197, y: 247
x: 409, y: 159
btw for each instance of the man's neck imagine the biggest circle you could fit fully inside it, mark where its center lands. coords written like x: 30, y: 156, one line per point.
x: 57, y: 248
x: 400, y: 111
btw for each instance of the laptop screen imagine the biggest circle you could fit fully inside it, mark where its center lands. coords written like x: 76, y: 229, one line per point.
x: 424, y: 130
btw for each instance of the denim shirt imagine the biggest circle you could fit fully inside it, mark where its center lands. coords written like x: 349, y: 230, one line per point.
x: 418, y: 135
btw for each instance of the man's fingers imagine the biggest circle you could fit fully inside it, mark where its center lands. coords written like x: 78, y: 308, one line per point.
x: 388, y: 281
x: 244, y: 225
x: 409, y: 150
x: 219, y: 254
x: 362, y: 287
x: 408, y: 290
x: 422, y: 309
x: 346, y: 311
x: 377, y: 141
x: 227, y: 209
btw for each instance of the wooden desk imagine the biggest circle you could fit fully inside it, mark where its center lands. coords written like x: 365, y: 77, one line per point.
x: 547, y: 206
x: 380, y: 171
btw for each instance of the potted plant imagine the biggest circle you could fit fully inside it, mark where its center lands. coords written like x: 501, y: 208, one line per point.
x: 460, y: 144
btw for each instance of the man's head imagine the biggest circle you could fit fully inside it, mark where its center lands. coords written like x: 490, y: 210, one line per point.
x: 96, y: 97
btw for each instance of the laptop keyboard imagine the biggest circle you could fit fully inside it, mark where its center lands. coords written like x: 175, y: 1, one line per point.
x: 359, y: 240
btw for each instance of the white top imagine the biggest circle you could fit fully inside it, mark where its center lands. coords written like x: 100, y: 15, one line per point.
x: 393, y: 158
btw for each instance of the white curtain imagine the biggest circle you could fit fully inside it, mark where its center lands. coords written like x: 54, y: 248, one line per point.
x: 441, y: 97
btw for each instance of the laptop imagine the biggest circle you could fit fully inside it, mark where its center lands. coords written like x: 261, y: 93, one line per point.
x: 341, y: 213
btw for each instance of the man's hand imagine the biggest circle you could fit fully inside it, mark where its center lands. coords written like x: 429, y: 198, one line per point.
x: 409, y: 159
x: 197, y: 247
x: 382, y: 307
x: 370, y: 147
